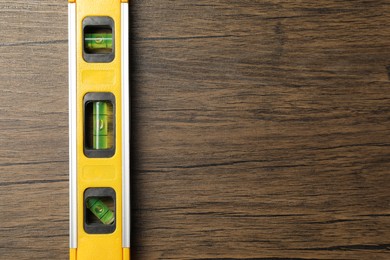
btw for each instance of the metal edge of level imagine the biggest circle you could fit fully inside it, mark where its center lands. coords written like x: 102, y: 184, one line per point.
x: 72, y: 126
x: 125, y: 126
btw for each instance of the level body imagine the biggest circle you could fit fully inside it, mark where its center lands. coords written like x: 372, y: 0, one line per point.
x: 99, y: 130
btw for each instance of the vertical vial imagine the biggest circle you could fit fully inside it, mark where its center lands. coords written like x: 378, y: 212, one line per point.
x: 100, y: 125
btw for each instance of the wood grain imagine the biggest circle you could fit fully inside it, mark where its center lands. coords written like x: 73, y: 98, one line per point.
x: 260, y: 129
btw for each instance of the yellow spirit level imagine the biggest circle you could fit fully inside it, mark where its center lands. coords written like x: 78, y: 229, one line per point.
x: 99, y: 130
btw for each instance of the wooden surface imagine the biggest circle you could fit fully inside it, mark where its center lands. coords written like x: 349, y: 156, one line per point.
x: 260, y: 129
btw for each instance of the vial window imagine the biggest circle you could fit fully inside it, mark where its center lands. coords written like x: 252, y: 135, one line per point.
x: 98, y: 39
x: 99, y: 210
x: 99, y: 125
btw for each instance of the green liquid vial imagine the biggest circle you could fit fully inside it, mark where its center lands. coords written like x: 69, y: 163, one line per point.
x: 101, y: 211
x: 98, y: 42
x: 100, y: 125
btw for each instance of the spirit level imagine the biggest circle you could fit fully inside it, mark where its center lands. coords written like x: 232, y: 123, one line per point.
x: 99, y: 130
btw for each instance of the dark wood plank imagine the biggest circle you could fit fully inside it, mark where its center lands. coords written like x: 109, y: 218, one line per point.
x: 260, y: 129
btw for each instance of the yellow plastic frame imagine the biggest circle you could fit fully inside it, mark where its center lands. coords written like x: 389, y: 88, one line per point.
x: 98, y: 172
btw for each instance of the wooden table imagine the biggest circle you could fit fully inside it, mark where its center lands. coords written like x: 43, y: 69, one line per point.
x: 260, y: 129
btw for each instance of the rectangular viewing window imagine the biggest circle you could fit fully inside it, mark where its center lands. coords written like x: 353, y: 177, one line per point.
x: 99, y: 125
x: 98, y: 39
x: 99, y: 210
